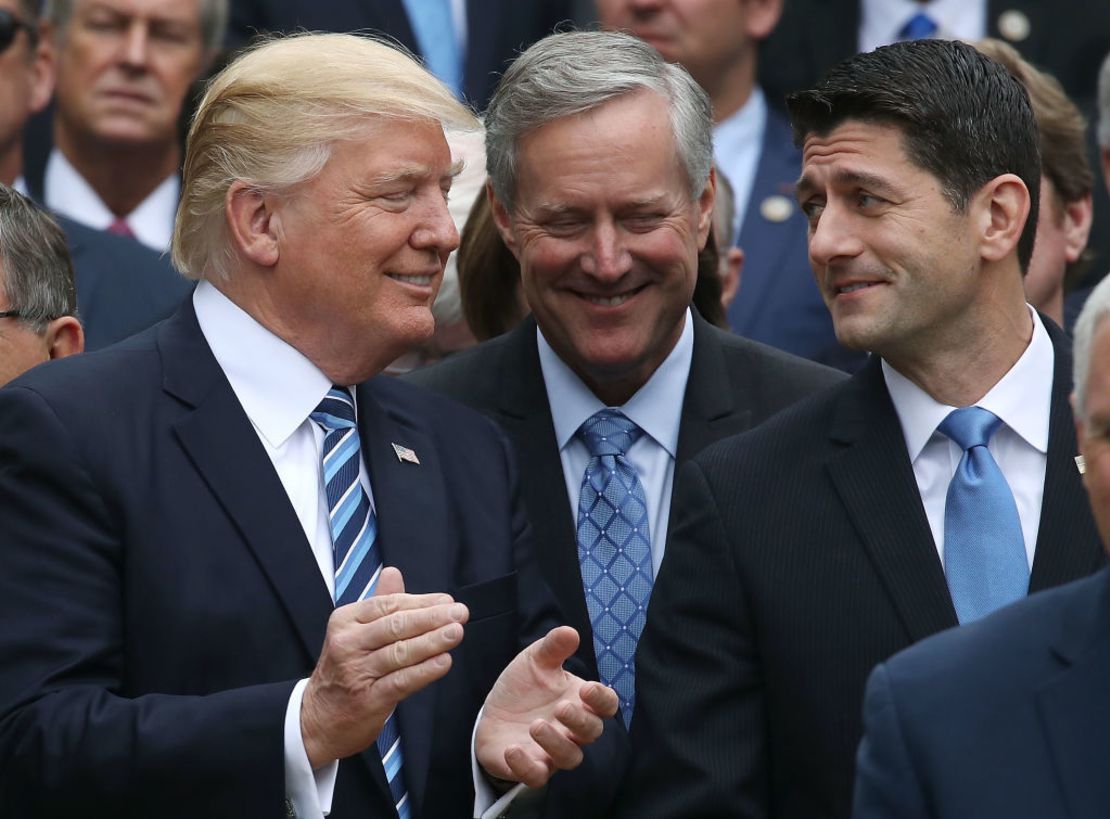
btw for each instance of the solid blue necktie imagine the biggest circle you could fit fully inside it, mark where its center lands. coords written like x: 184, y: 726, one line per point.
x: 918, y: 27
x: 434, y: 28
x: 984, y: 549
x: 354, y: 532
x: 614, y: 550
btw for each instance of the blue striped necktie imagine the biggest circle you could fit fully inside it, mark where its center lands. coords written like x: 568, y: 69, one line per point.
x: 614, y: 550
x: 354, y: 532
x: 984, y: 549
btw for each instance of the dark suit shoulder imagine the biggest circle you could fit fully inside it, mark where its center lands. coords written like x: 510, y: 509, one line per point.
x: 469, y: 376
x: 780, y: 371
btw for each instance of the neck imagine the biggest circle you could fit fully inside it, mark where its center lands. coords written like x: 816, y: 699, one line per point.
x: 122, y: 175
x: 1053, y: 306
x: 730, y: 88
x: 11, y: 163
x: 963, y: 364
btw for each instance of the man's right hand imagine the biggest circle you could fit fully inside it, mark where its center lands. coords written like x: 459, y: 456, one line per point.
x: 376, y: 652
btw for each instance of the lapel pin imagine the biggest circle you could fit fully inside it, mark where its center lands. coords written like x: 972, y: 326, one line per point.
x: 776, y: 208
x: 1081, y: 464
x: 405, y: 455
x: 1014, y: 25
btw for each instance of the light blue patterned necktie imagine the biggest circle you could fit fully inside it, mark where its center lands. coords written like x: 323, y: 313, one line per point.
x: 434, y: 29
x: 354, y: 532
x: 984, y: 549
x: 614, y: 550
x: 919, y: 27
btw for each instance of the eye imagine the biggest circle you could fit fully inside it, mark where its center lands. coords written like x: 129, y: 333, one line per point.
x: 812, y: 209
x: 865, y: 200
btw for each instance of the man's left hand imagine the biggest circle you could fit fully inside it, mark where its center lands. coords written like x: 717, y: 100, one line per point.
x: 538, y: 716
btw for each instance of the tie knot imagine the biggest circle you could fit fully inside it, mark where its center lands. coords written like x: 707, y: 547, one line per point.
x: 970, y: 426
x: 336, y: 411
x: 609, y: 432
x: 918, y: 27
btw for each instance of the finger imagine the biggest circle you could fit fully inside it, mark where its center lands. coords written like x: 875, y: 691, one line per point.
x: 583, y: 725
x: 563, y: 752
x: 403, y: 682
x: 407, y: 653
x: 532, y: 772
x: 410, y: 623
x: 390, y: 582
x: 601, y: 699
x: 552, y: 650
x: 374, y: 608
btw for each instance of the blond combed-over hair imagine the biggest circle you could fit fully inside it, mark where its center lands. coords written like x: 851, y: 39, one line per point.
x: 272, y: 117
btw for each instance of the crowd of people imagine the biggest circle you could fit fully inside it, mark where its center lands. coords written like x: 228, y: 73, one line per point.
x: 632, y: 409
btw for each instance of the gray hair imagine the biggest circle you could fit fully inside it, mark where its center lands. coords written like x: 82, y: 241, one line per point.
x: 1095, y: 309
x: 576, y: 71
x: 1104, y: 103
x: 36, y: 274
x: 213, y: 20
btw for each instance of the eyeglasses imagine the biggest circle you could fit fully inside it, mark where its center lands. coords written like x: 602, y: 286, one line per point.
x: 10, y: 26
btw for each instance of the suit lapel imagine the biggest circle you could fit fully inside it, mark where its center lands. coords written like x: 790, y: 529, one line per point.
x: 874, y: 479
x: 1068, y: 545
x: 224, y: 448
x: 709, y: 411
x: 525, y: 414
x: 411, y: 504
x: 1071, y: 705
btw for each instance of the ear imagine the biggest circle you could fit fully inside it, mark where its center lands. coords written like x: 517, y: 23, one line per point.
x: 252, y: 223
x: 504, y: 221
x: 761, y: 17
x: 42, y: 72
x: 1077, y: 226
x: 1002, y: 207
x: 64, y: 336
x: 705, y: 204
x: 730, y: 284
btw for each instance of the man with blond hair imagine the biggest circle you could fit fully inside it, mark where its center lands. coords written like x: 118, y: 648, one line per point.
x: 240, y: 579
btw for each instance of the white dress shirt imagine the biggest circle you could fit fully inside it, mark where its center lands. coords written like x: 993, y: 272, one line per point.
x: 881, y: 21
x: 737, y: 146
x: 278, y: 389
x: 1022, y: 399
x: 656, y: 408
x: 68, y: 193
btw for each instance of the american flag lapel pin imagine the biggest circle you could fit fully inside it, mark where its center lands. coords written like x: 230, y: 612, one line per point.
x: 405, y: 455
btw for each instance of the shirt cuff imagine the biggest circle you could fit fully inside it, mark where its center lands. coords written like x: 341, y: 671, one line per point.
x: 487, y: 805
x: 308, y: 793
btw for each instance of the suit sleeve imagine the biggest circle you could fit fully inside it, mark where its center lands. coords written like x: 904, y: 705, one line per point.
x: 887, y: 786
x: 72, y: 741
x: 698, y: 733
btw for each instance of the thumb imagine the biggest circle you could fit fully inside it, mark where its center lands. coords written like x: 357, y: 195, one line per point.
x: 553, y: 649
x: 390, y: 582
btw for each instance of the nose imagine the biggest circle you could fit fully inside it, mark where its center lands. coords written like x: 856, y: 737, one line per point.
x: 135, y: 47
x: 436, y: 229
x: 607, y: 258
x: 833, y: 237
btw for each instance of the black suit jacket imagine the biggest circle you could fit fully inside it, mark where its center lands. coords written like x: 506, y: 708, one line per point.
x: 1004, y: 718
x: 734, y: 384
x: 122, y: 286
x: 497, y: 30
x: 159, y: 599
x: 800, y: 558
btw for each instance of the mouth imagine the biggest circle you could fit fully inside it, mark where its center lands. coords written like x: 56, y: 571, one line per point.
x: 853, y: 287
x: 418, y: 280
x: 615, y: 300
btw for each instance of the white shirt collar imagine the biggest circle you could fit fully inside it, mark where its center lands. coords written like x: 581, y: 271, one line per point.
x: 881, y: 21
x: 656, y: 408
x: 1022, y: 398
x: 277, y: 386
x: 70, y: 194
x: 19, y: 185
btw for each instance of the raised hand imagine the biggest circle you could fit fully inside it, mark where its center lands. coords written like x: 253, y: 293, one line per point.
x: 538, y: 716
x: 376, y: 652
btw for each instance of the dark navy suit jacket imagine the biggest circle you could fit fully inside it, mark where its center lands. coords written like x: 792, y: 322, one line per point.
x: 778, y: 302
x: 122, y: 286
x: 1003, y: 718
x: 497, y: 30
x: 159, y: 599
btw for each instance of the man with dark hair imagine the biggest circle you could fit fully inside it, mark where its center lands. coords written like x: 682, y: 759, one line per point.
x: 934, y: 486
x: 38, y: 302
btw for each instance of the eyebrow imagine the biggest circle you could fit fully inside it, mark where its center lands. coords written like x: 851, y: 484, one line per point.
x: 862, y: 179
x: 558, y: 208
x: 416, y: 172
